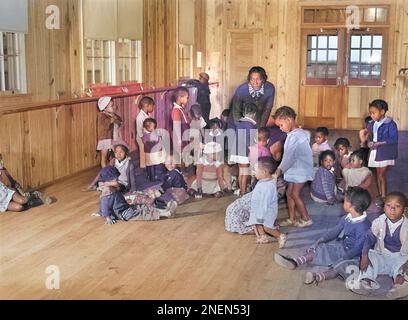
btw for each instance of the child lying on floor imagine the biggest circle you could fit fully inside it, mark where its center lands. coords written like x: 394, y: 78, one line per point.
x: 114, y: 207
x: 12, y: 195
x: 340, y: 253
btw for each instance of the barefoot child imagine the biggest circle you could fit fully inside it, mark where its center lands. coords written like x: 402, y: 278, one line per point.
x: 296, y: 165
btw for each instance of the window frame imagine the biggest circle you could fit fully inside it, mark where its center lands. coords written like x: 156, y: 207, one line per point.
x: 368, y: 82
x: 181, y: 59
x: 19, y: 70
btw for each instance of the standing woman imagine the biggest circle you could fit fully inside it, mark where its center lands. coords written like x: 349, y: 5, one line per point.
x: 256, y: 90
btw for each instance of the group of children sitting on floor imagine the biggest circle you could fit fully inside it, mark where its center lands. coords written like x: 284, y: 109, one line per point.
x: 273, y: 163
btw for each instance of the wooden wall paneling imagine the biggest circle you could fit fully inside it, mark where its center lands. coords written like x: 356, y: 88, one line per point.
x: 62, y: 131
x: 40, y: 144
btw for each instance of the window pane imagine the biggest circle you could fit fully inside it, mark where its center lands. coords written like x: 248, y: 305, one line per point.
x: 354, y: 70
x: 312, y: 42
x: 322, y: 55
x: 366, y: 41
x: 311, y: 71
x: 321, y: 71
x: 365, y: 71
x: 333, y: 42
x: 366, y: 56
x: 376, y: 71
x: 331, y: 71
x: 313, y: 55
x: 355, y: 41
x: 355, y: 56
x: 377, y: 42
x: 369, y: 15
x: 376, y: 56
x: 332, y: 56
x: 322, y: 42
x: 381, y: 15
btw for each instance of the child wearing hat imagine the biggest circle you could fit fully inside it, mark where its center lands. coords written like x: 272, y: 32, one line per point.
x: 105, y: 122
x: 113, y: 206
x: 210, y: 177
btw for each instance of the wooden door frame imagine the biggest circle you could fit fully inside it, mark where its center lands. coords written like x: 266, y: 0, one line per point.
x: 255, y: 32
x: 340, y: 116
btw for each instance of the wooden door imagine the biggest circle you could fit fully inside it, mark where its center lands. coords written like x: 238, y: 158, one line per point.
x: 322, y: 94
x: 242, y: 54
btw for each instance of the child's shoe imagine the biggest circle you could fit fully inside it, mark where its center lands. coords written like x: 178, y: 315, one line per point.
x: 282, y: 240
x: 287, y: 223
x: 302, y: 223
x: 262, y: 239
x: 285, y: 262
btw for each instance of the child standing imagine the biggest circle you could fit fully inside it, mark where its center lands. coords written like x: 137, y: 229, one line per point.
x: 337, y: 254
x: 180, y: 121
x: 357, y: 175
x: 146, y: 106
x: 210, y: 177
x: 296, y: 165
x: 264, y: 204
x: 323, y: 187
x: 258, y: 150
x: 382, y: 137
x: 106, y: 120
x: 320, y: 144
x: 154, y: 150
x: 197, y: 125
x: 244, y: 137
x: 389, y: 237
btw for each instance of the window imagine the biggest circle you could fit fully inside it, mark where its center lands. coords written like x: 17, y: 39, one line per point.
x: 113, y: 62
x: 322, y: 59
x: 365, y: 62
x: 100, y: 61
x: 365, y: 15
x: 12, y: 62
x: 129, y: 64
x: 185, y: 62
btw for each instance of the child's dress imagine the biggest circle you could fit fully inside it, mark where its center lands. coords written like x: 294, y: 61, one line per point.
x: 383, y: 131
x: 140, y: 118
x: 105, y: 128
x: 155, y: 155
x: 264, y: 204
x: 323, y: 188
x: 6, y: 195
x: 390, y: 242
x: 245, y: 130
x: 174, y: 187
x: 353, y: 177
x: 237, y: 215
x: 179, y: 116
x: 210, y: 184
x: 297, y: 160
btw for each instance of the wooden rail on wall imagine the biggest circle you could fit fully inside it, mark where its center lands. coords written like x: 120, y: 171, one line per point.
x: 44, y: 142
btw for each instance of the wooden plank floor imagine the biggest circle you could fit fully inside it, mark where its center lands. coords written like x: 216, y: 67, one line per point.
x: 190, y: 257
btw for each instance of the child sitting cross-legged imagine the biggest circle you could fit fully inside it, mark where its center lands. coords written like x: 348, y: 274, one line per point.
x: 114, y: 207
x: 329, y: 250
x: 385, y: 249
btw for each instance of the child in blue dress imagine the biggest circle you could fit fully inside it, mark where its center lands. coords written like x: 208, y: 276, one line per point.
x: 296, y: 165
x: 382, y: 137
x: 323, y: 188
x: 329, y: 250
x: 258, y: 209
